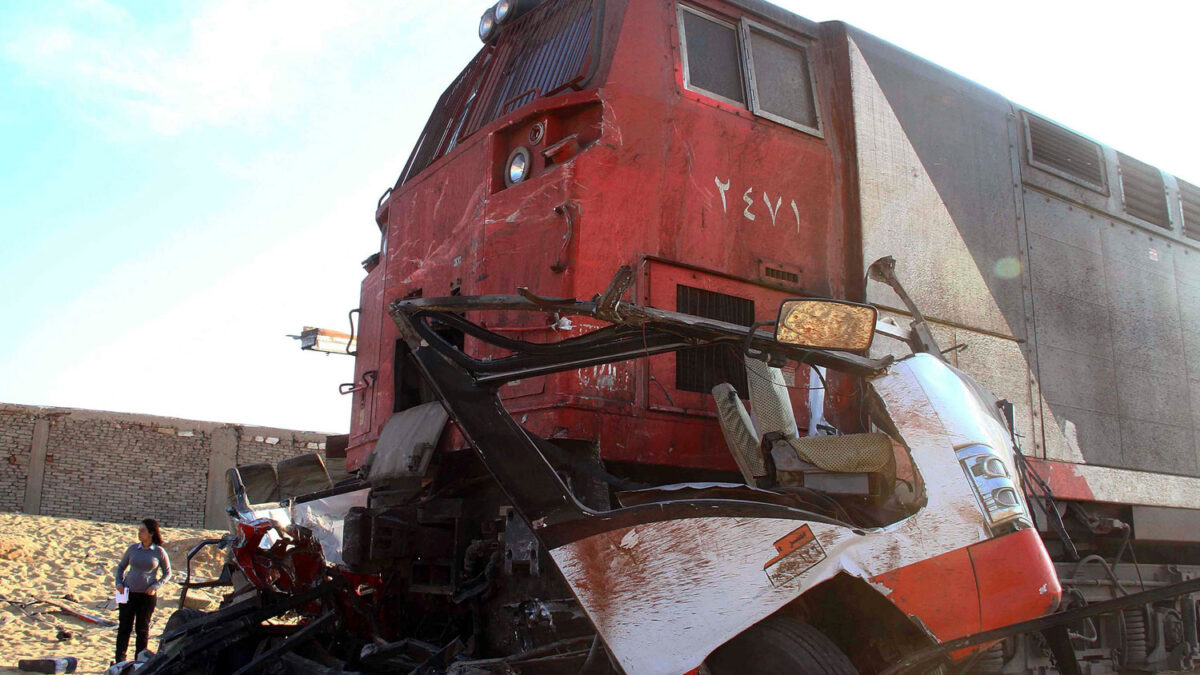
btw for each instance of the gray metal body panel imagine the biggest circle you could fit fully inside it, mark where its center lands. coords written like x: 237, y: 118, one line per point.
x: 1104, y: 310
x: 1154, y: 523
x: 407, y: 442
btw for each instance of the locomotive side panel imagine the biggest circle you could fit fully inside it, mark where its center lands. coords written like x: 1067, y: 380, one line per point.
x: 1118, y: 309
x: 935, y: 185
x: 1073, y: 292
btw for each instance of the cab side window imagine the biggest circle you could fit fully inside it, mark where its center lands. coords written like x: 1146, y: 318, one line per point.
x: 712, y: 57
x: 749, y: 65
x: 782, y: 86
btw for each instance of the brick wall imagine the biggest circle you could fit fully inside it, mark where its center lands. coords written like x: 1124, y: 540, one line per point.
x: 123, y: 471
x: 263, y: 447
x: 16, y: 442
x: 121, y: 467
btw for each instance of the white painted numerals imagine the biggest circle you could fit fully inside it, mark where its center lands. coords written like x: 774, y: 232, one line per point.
x: 748, y: 198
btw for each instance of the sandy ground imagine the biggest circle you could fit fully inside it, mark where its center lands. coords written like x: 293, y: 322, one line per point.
x: 71, y: 562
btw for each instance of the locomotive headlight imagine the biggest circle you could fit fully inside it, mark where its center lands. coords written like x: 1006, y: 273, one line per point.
x: 504, y: 9
x: 487, y: 24
x: 517, y: 168
x: 994, y: 485
x: 507, y: 10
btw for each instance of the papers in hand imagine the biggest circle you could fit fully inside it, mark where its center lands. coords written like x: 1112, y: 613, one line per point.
x: 123, y: 596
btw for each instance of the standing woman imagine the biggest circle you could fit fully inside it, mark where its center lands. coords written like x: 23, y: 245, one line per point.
x: 145, y: 561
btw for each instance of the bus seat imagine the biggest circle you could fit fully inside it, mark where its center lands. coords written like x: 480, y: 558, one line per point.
x: 770, y: 404
x: 258, y: 480
x: 772, y: 408
x: 740, y: 435
x: 849, y: 464
x: 302, y: 475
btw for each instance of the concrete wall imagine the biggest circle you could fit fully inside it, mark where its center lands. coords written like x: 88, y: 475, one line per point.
x: 122, y: 467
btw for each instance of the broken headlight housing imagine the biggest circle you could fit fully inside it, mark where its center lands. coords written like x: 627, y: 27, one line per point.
x: 994, y: 486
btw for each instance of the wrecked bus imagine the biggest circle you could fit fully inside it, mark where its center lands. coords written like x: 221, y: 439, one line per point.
x: 835, y: 552
x: 734, y: 156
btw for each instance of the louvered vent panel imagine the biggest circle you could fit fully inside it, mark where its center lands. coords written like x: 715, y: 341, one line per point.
x: 438, y: 135
x: 703, y: 368
x: 1054, y: 147
x: 1190, y: 196
x: 544, y: 52
x: 1142, y: 187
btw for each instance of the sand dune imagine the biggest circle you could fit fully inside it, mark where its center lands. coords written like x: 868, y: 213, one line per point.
x: 71, y: 562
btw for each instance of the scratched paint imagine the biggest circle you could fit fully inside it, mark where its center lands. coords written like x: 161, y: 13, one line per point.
x: 642, y: 185
x: 799, y: 551
x: 605, y: 377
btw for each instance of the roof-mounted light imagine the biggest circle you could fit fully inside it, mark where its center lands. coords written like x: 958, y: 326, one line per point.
x: 487, y: 25
x: 504, y: 10
x: 507, y: 10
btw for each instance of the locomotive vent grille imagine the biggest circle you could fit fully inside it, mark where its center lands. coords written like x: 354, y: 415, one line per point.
x: 1065, y: 153
x: 703, y: 368
x: 781, y: 275
x: 542, y: 53
x: 437, y: 137
x: 1143, y: 191
x: 547, y: 51
x: 1189, y: 196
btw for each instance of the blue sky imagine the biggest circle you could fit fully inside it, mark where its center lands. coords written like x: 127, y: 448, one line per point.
x: 183, y: 184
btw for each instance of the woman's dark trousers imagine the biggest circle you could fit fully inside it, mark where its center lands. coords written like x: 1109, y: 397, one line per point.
x: 137, y: 612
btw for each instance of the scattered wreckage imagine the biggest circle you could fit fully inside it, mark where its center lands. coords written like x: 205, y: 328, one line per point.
x: 849, y: 551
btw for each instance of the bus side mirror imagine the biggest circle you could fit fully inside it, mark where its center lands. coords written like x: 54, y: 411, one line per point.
x: 826, y: 324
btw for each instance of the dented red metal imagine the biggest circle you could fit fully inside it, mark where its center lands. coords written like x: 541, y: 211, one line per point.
x: 710, y: 199
x: 995, y: 583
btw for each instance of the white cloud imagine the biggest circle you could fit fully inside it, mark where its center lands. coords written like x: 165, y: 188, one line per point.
x: 232, y: 63
x: 194, y: 325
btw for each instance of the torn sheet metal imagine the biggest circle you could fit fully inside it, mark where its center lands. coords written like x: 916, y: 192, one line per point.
x: 665, y: 594
x: 326, y: 518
